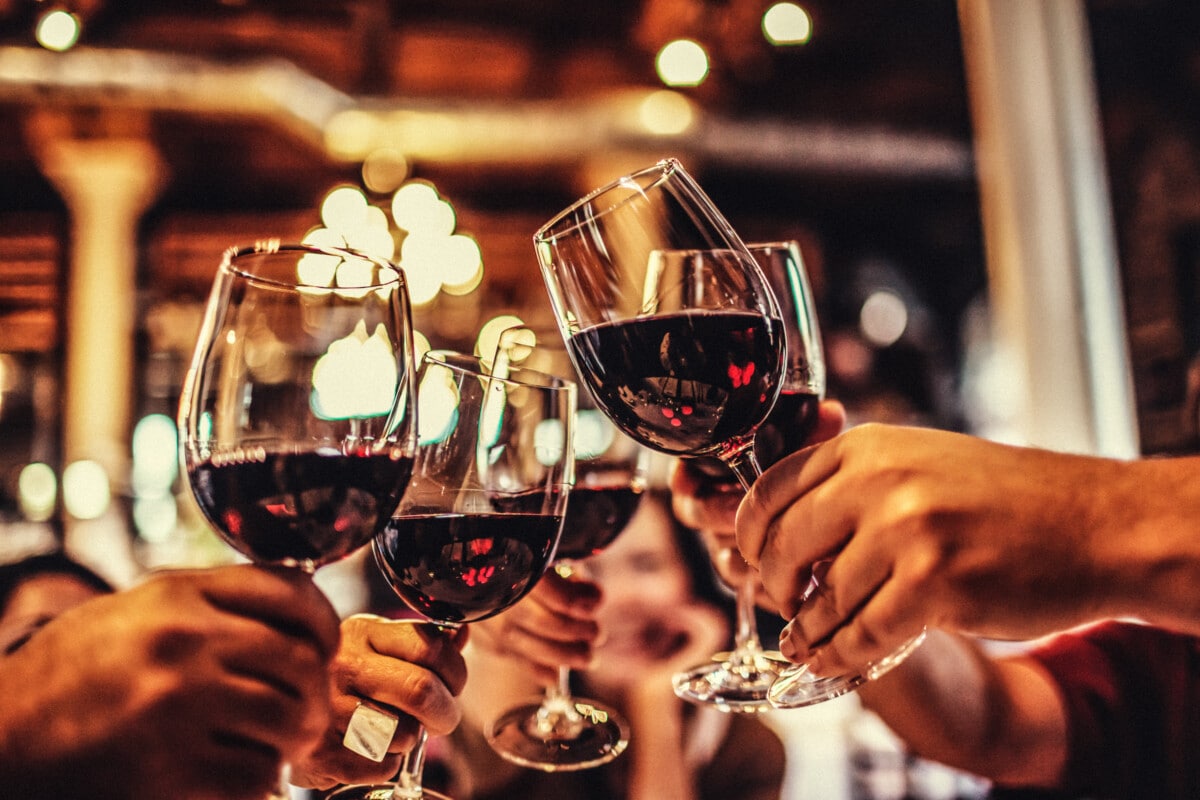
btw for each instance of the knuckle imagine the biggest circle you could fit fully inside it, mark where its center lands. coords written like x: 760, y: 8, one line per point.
x: 423, y: 690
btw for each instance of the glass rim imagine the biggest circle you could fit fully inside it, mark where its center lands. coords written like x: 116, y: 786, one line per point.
x: 660, y: 171
x: 271, y: 247
x: 781, y: 244
x: 477, y: 365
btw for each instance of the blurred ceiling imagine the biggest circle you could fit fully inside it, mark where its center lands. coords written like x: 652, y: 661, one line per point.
x: 512, y: 108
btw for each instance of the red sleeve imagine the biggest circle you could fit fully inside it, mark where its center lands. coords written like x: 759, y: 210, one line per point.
x: 1133, y: 710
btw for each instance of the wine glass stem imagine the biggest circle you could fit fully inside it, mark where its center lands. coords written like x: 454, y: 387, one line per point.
x: 561, y: 691
x: 408, y: 781
x: 745, y: 466
x: 745, y: 640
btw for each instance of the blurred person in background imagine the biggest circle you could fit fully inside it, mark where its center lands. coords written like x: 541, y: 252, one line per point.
x: 649, y: 608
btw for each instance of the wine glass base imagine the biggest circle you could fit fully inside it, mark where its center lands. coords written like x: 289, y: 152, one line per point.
x: 597, y: 737
x: 383, y: 791
x: 797, y: 687
x: 732, y: 685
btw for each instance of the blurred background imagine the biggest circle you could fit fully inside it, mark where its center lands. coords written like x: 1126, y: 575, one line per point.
x: 998, y: 202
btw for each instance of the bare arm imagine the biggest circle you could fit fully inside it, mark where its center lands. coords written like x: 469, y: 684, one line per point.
x: 952, y: 703
x: 934, y: 529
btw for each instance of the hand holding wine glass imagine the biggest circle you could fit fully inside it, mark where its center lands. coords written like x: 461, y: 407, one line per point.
x: 686, y: 355
x: 479, y: 522
x: 792, y: 423
x: 297, y: 417
x: 400, y: 666
x: 563, y: 732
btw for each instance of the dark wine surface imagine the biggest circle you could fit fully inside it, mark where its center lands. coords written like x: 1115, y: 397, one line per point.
x: 595, y: 516
x: 685, y: 383
x: 785, y: 431
x: 300, y: 508
x: 465, y: 567
x: 787, y: 428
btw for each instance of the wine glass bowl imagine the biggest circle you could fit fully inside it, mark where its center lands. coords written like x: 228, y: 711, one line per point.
x: 482, y: 515
x: 289, y: 463
x: 686, y: 361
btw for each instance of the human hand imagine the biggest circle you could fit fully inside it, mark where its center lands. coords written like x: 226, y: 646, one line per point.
x: 643, y: 648
x: 554, y: 625
x: 410, y: 667
x: 709, y: 504
x: 195, y: 684
x: 929, y: 528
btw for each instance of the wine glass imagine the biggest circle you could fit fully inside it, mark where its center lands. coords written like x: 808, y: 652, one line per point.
x: 684, y: 355
x: 481, y: 518
x: 562, y: 732
x: 297, y: 419
x: 786, y: 429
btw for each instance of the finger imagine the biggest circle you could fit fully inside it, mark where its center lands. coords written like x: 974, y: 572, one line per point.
x: 548, y: 653
x: 420, y: 644
x: 283, y: 598
x: 837, y: 588
x: 812, y: 528
x: 407, y: 687
x: 260, y: 717
x: 700, y: 501
x: 334, y: 764
x: 257, y: 651
x: 731, y: 567
x: 567, y: 596
x: 831, y: 420
x: 540, y: 622
x: 872, y: 636
x: 776, y: 491
x: 234, y: 768
x: 822, y: 614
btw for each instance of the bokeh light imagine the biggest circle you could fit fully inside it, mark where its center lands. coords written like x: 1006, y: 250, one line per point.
x: 787, y: 24
x: 86, y: 491
x: 37, y: 489
x: 489, y: 333
x: 682, y: 62
x: 883, y: 318
x: 666, y: 113
x: 58, y: 30
x: 155, y: 455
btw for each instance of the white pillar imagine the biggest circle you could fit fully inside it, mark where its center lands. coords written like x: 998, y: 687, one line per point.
x: 1055, y: 285
x: 107, y: 174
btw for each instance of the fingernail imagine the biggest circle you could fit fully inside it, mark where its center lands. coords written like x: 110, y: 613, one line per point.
x: 786, y: 646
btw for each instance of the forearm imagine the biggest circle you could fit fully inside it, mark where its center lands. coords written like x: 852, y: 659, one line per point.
x: 658, y: 768
x: 1150, y: 543
x: 951, y: 703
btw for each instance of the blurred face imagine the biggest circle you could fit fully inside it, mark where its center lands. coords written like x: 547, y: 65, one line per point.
x: 644, y: 580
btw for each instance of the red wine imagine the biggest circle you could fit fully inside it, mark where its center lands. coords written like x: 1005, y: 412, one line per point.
x: 595, y: 516
x: 300, y: 507
x: 787, y: 428
x: 686, y: 383
x: 465, y: 567
x: 785, y: 431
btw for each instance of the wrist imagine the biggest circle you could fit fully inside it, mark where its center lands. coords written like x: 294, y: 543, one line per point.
x: 1151, y: 555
